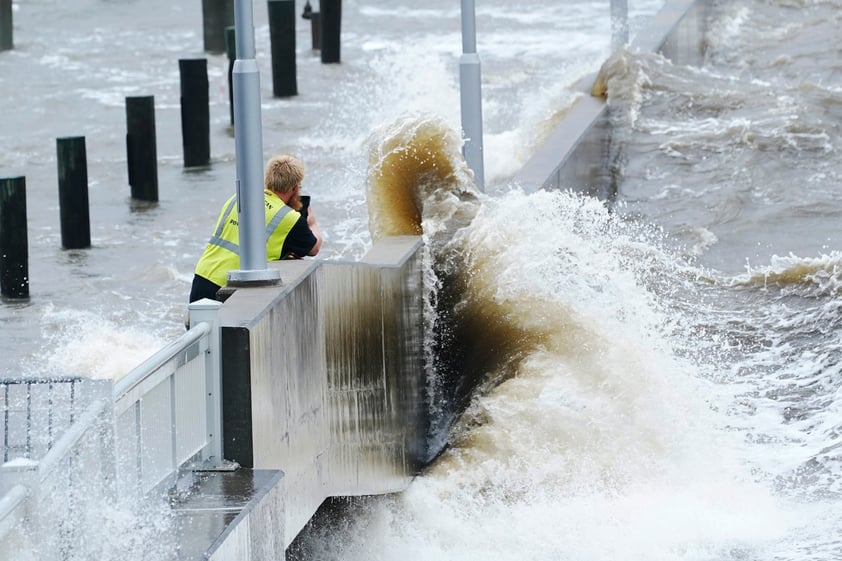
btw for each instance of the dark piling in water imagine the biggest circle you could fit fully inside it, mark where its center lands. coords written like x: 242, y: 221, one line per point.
x: 14, y: 246
x: 195, y: 111
x: 141, y: 150
x: 331, y: 24
x: 73, y: 192
x: 282, y: 38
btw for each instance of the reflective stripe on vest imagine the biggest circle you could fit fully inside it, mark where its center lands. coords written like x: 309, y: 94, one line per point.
x: 216, y: 238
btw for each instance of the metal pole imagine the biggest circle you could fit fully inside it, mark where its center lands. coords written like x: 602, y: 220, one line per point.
x: 471, y: 95
x: 248, y: 145
x: 619, y: 24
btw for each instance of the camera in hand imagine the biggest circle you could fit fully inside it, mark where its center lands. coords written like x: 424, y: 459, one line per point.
x: 305, y: 204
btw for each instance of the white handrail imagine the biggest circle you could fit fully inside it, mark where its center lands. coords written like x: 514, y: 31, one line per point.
x: 151, y: 364
x: 9, y: 504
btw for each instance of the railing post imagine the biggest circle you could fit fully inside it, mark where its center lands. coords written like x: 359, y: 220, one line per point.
x: 207, y: 311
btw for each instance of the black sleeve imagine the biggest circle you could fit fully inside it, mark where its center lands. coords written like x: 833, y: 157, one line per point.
x: 299, y: 241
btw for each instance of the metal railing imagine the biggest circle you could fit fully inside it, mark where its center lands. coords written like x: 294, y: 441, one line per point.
x: 33, y: 411
x: 66, y: 440
x: 39, y: 499
x: 167, y: 410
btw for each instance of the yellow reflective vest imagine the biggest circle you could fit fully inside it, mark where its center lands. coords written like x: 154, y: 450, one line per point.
x: 222, y: 253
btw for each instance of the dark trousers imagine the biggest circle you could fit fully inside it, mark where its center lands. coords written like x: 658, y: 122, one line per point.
x: 203, y: 288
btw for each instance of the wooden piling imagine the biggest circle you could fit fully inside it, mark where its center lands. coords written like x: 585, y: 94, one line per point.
x: 315, y: 30
x: 141, y: 150
x: 195, y: 111
x: 73, y: 192
x: 331, y: 24
x: 14, y: 246
x: 231, y: 50
x: 282, y: 39
x: 6, y: 40
x: 216, y: 16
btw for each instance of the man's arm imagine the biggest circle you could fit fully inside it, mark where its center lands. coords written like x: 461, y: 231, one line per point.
x: 303, y: 239
x: 314, y: 229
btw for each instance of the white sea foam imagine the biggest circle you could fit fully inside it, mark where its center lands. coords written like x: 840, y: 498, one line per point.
x: 94, y: 345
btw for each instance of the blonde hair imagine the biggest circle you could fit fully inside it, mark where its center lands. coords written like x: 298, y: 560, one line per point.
x: 283, y: 173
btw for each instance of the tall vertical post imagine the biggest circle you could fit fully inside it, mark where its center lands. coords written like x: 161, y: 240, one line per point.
x: 282, y: 38
x: 73, y: 192
x: 141, y: 150
x: 231, y: 50
x: 14, y: 245
x: 207, y: 311
x: 6, y: 41
x: 314, y: 18
x: 471, y: 95
x: 330, y: 19
x: 216, y: 16
x: 316, y: 30
x: 619, y: 24
x: 248, y: 146
x: 195, y: 111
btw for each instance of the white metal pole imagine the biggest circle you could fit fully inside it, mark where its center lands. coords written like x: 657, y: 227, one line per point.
x: 471, y: 95
x: 619, y: 24
x: 248, y: 144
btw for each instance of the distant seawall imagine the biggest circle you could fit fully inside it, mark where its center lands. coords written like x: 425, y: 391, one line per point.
x: 579, y: 154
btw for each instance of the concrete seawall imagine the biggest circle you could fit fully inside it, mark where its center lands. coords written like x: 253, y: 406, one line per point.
x: 579, y: 154
x: 323, y: 377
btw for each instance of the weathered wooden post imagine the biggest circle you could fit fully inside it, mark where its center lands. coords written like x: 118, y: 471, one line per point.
x: 216, y: 16
x: 315, y: 24
x: 141, y: 150
x: 73, y: 192
x: 6, y: 42
x: 282, y: 38
x: 195, y: 111
x: 316, y: 30
x: 231, y: 50
x: 14, y: 246
x: 331, y: 24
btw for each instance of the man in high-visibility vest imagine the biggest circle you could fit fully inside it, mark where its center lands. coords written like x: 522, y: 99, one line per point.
x: 291, y: 231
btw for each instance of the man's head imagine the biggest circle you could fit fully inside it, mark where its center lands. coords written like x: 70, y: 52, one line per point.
x: 284, y: 174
